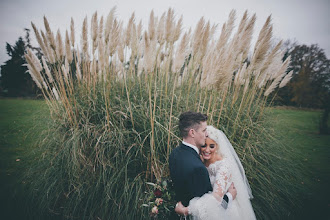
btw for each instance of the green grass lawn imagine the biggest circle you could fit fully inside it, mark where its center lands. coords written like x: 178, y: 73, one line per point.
x: 21, y: 121
x: 299, y: 129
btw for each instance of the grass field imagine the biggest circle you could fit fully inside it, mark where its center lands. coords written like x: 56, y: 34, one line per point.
x: 21, y: 121
x: 299, y: 129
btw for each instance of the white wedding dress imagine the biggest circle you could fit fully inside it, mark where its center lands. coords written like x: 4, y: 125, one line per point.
x: 222, y: 173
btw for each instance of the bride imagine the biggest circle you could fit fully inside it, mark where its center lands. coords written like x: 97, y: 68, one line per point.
x: 224, y: 168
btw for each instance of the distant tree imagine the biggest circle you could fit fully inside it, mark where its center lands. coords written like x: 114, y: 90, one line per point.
x: 310, y: 84
x: 14, y: 80
x: 302, y: 88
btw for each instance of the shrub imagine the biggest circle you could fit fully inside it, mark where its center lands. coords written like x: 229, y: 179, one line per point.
x: 115, y: 102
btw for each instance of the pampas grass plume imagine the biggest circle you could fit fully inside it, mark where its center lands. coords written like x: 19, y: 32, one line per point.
x: 161, y: 30
x: 94, y: 31
x: 49, y: 75
x: 39, y: 40
x: 128, y: 32
x: 72, y: 33
x: 177, y: 30
x: 274, y: 84
x: 48, y: 49
x: 84, y: 38
x: 286, y: 79
x: 34, y: 67
x: 169, y: 24
x: 33, y: 75
x: 109, y: 24
x: 68, y: 47
x: 59, y: 43
x: 50, y: 35
x: 100, y: 30
x: 197, y: 36
x: 152, y: 26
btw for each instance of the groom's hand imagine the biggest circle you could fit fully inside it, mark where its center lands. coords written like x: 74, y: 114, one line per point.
x: 232, y: 190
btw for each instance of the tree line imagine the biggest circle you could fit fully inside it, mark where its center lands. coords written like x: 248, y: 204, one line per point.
x: 308, y: 88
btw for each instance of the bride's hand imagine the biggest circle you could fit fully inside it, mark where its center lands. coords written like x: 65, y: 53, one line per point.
x: 180, y: 209
x: 232, y: 190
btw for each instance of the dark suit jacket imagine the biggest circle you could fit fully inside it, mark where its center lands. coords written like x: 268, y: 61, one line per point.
x: 188, y: 173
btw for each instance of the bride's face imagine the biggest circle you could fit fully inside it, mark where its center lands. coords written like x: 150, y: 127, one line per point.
x: 208, y: 151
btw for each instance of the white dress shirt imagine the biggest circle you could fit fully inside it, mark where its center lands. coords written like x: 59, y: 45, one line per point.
x: 192, y: 146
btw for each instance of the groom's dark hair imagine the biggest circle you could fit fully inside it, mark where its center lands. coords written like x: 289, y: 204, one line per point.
x: 188, y: 120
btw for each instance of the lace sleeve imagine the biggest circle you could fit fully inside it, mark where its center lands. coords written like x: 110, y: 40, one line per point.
x: 222, y: 178
x: 209, y: 205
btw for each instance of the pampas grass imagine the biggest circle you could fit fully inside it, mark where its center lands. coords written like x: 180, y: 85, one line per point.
x: 115, y: 101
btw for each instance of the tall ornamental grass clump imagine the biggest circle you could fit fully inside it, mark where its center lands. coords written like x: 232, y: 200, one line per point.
x: 115, y: 99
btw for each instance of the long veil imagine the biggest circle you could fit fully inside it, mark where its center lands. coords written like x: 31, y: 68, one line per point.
x: 242, y: 201
x: 227, y: 150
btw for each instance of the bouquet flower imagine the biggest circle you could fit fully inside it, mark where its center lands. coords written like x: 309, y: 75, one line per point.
x: 160, y: 199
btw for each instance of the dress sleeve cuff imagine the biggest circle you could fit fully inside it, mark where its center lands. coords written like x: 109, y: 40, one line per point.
x: 230, y: 197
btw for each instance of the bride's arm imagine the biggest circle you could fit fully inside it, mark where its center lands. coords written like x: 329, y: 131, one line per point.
x: 202, y: 205
x: 222, y: 178
x: 223, y: 183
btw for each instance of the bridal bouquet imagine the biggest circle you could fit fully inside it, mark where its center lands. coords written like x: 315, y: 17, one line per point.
x: 160, y: 199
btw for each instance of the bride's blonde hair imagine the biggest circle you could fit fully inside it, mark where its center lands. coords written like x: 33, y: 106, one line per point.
x: 212, y: 134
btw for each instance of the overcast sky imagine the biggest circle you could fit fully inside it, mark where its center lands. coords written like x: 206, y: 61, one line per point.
x: 306, y: 21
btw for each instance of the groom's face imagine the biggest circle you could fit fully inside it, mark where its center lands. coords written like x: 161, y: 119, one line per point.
x: 200, y: 134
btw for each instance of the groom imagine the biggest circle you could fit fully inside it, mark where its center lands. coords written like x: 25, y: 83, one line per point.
x: 188, y: 173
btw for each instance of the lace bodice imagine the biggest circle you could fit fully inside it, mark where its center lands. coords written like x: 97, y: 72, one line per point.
x: 208, y: 207
x: 220, y: 175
